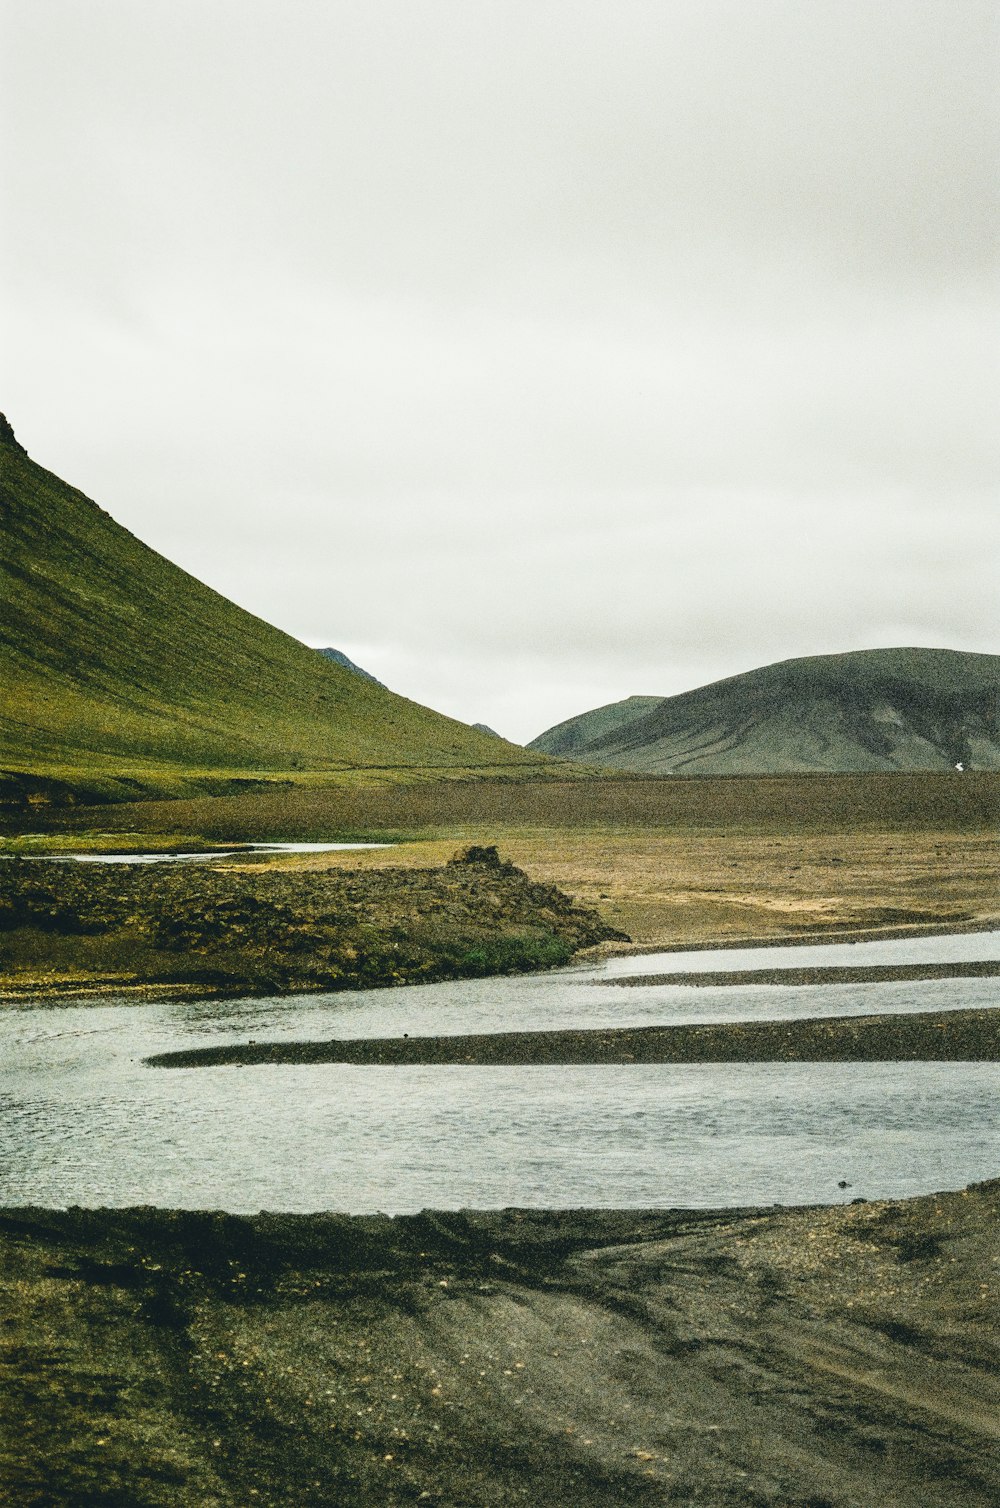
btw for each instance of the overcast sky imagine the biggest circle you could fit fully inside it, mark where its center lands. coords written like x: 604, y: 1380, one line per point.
x: 536, y: 354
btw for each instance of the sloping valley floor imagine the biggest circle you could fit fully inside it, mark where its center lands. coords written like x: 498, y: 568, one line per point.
x: 832, y: 1357
x: 814, y: 1357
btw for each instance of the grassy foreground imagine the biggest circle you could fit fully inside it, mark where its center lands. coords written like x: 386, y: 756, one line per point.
x: 838, y: 1358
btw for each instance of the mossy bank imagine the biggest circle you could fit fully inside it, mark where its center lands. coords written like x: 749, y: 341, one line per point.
x: 65, y: 927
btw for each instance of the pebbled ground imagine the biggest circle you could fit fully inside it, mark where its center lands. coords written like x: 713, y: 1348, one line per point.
x: 823, y: 1358
x: 967, y: 1036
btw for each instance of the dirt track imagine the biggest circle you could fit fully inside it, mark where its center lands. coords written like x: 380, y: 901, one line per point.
x: 844, y: 1357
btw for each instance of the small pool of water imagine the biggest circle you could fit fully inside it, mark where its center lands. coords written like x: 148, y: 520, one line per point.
x: 203, y: 858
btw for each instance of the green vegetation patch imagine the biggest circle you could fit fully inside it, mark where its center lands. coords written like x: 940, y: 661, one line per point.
x: 231, y: 929
x: 55, y: 845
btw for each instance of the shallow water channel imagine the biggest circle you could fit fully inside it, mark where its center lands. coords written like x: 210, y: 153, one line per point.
x: 199, y: 857
x: 84, y: 1121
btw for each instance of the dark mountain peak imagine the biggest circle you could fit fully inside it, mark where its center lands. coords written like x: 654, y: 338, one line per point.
x: 877, y: 709
x: 338, y: 657
x: 7, y: 436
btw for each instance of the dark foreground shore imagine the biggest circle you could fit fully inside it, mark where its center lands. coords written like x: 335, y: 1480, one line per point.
x: 844, y: 1357
x: 948, y: 1036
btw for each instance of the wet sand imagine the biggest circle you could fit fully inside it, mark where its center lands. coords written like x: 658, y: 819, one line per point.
x: 931, y: 1036
x: 779, y: 1358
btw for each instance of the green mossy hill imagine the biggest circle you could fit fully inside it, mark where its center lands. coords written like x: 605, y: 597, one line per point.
x: 64, y: 926
x: 876, y: 709
x: 122, y: 672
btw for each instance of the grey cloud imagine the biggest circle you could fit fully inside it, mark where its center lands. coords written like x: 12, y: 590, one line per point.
x: 525, y: 353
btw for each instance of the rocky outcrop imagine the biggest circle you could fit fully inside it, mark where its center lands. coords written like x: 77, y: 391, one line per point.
x: 7, y: 436
x: 232, y: 929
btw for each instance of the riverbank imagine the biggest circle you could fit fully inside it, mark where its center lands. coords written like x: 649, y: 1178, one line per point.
x: 674, y: 863
x: 840, y: 1356
x: 246, y: 930
x: 935, y: 1036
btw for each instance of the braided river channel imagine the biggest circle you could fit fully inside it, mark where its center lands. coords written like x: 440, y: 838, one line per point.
x: 84, y: 1120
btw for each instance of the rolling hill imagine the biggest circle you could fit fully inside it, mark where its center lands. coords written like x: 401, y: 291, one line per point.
x: 122, y: 672
x: 875, y: 709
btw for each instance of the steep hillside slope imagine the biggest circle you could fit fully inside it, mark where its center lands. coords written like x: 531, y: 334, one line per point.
x: 876, y: 709
x: 117, y: 666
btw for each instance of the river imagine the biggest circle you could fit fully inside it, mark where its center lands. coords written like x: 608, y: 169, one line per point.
x: 83, y: 1120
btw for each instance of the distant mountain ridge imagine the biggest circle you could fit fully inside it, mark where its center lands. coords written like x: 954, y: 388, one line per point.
x: 338, y: 657
x: 120, y: 672
x: 874, y: 709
